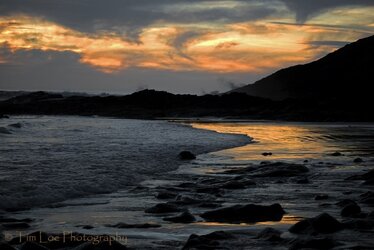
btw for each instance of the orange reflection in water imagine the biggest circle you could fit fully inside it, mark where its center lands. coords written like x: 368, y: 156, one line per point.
x: 287, y: 220
x: 285, y: 141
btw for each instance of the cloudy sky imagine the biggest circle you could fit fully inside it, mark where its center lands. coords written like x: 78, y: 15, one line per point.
x: 182, y: 46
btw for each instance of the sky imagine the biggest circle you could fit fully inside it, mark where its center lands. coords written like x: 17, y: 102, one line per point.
x: 181, y: 46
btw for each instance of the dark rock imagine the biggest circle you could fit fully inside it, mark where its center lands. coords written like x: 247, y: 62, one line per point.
x: 15, y: 225
x: 270, y: 234
x: 6, y: 246
x: 336, y: 154
x: 371, y: 215
x: 279, y: 169
x: 304, y: 180
x: 314, y: 243
x: 32, y: 246
x: 163, y: 208
x: 350, y: 210
x: 305, y: 161
x: 4, y: 116
x: 186, y: 200
x: 165, y: 195
x: 369, y: 182
x: 15, y: 125
x: 367, y: 176
x: 4, y: 131
x: 209, y: 241
x: 358, y: 160
x: 87, y: 227
x: 125, y: 225
x: 186, y: 155
x: 11, y: 220
x: 323, y: 223
x: 185, y: 217
x: 245, y: 213
x: 321, y: 197
x: 267, y: 153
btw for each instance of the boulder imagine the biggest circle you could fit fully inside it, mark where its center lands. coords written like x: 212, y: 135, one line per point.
x: 186, y: 155
x: 323, y: 223
x: 165, y: 195
x: 350, y: 210
x: 163, y: 208
x: 369, y: 175
x: 208, y: 241
x: 15, y: 125
x: 358, y: 160
x: 336, y: 154
x: 185, y: 217
x: 279, y: 169
x: 245, y: 213
x: 321, y: 197
x: 270, y: 234
x: 267, y: 153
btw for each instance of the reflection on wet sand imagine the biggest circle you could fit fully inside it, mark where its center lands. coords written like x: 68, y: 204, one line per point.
x: 286, y: 220
x: 289, y: 141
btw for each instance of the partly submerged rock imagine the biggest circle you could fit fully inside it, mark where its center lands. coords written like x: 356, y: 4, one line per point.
x: 358, y: 160
x: 208, y: 241
x: 350, y: 210
x: 321, y: 197
x: 4, y: 131
x: 163, y: 208
x: 279, y: 169
x: 15, y: 125
x: 245, y: 213
x: 185, y: 217
x: 367, y: 198
x: 270, y: 234
x: 186, y: 155
x: 336, y: 154
x: 323, y: 223
x: 165, y: 195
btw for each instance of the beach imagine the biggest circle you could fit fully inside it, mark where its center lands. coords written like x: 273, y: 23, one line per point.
x: 100, y: 176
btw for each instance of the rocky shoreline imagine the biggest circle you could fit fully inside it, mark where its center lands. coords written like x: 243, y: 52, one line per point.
x: 343, y: 213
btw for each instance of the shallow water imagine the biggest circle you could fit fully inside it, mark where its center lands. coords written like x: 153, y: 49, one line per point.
x: 292, y: 142
x: 50, y: 159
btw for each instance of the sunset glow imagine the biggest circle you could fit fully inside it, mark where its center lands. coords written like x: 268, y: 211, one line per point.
x: 234, y: 47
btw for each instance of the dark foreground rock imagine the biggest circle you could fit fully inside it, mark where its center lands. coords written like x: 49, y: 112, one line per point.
x: 351, y: 210
x: 6, y: 246
x: 163, y: 208
x: 276, y: 169
x: 323, y: 223
x: 209, y: 241
x: 270, y: 234
x: 186, y: 155
x: 185, y: 217
x: 245, y: 213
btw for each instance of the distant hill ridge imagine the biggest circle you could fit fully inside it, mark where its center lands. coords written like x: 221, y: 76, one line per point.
x: 345, y: 73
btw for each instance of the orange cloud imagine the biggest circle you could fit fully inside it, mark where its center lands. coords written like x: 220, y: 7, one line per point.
x: 238, y: 47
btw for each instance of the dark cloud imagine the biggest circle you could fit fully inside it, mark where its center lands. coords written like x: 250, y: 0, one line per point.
x: 305, y: 9
x: 61, y: 71
x: 128, y: 16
